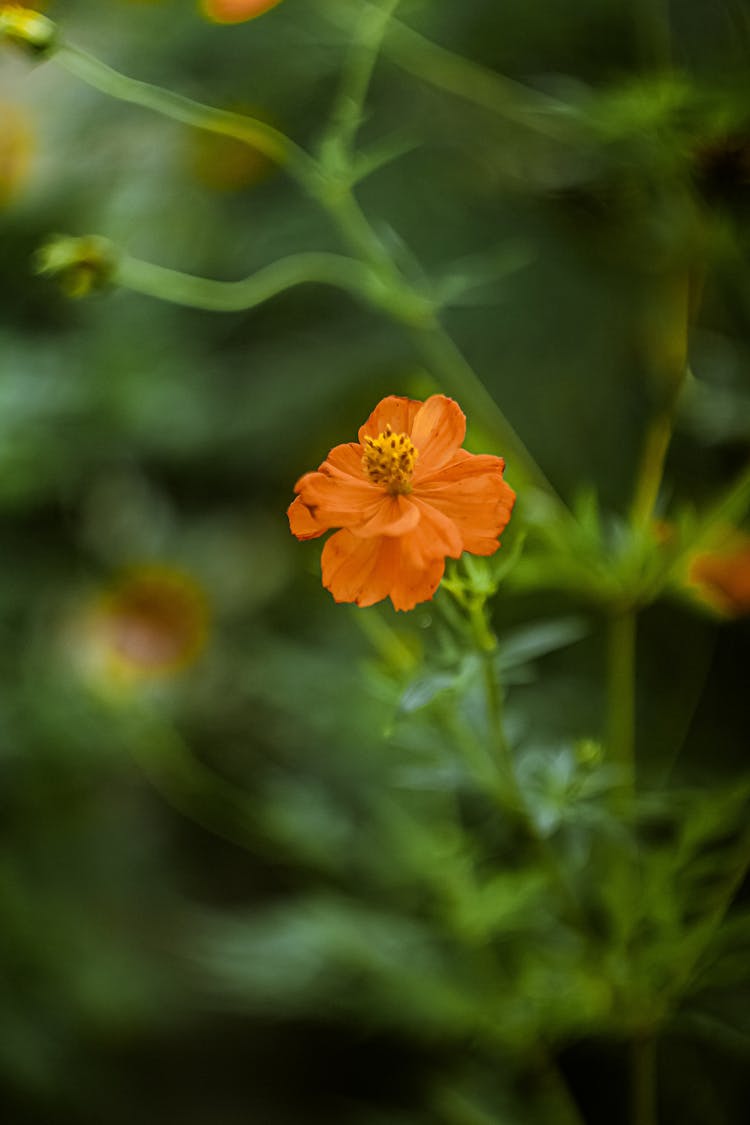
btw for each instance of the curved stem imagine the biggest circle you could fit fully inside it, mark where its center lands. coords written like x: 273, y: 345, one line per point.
x: 377, y: 277
x: 233, y: 296
x: 261, y: 136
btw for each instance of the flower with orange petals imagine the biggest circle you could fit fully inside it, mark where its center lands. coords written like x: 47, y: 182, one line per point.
x: 236, y: 11
x: 149, y: 625
x: 406, y: 496
x: 721, y: 577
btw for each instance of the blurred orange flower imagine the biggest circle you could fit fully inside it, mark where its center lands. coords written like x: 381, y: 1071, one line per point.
x: 406, y: 497
x: 16, y: 146
x: 236, y: 11
x: 721, y: 577
x: 225, y: 163
x: 150, y: 623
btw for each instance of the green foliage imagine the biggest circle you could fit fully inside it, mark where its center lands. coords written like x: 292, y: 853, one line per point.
x: 497, y: 848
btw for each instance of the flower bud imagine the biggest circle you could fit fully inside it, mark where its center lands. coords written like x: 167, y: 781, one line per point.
x: 27, y: 28
x: 81, y: 265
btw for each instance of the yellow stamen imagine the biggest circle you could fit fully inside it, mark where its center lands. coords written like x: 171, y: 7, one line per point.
x: 389, y: 459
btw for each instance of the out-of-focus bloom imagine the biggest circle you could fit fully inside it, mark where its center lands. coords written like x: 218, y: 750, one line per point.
x: 81, y: 265
x: 226, y: 163
x: 236, y: 11
x: 721, y: 576
x: 27, y: 28
x: 16, y: 145
x: 152, y: 623
x: 406, y: 497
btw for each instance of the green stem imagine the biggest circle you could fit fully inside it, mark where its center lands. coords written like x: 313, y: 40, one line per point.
x: 643, y: 1080
x: 667, y: 358
x: 459, y: 379
x: 648, y: 484
x: 346, y: 115
x: 384, y: 287
x: 358, y: 233
x: 467, y: 79
x: 485, y: 642
x: 232, y: 296
x: 261, y: 136
x: 621, y: 692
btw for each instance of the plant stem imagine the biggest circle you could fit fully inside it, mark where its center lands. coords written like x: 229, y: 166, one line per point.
x: 668, y: 362
x: 643, y: 1079
x: 464, y: 78
x: 485, y: 642
x: 656, y: 445
x: 232, y: 296
x: 346, y: 115
x: 459, y: 378
x: 260, y: 135
x: 621, y: 692
x: 376, y: 277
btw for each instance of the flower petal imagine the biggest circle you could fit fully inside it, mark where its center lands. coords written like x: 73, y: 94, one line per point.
x: 394, y: 411
x: 353, y: 570
x: 339, y: 500
x: 435, y: 536
x: 471, y: 492
x: 302, y: 521
x: 347, y: 459
x: 412, y: 583
x: 235, y: 11
x: 394, y: 516
x: 438, y: 431
x: 366, y: 571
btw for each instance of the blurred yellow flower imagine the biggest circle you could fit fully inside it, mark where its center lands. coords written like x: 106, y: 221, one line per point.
x: 236, y: 11
x: 27, y: 27
x: 16, y: 147
x: 151, y: 623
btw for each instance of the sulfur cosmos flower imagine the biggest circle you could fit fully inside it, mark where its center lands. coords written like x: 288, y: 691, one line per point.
x: 721, y: 577
x: 236, y: 11
x: 405, y: 497
x: 151, y: 623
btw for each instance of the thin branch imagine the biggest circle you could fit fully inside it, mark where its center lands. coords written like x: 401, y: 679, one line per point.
x: 234, y: 296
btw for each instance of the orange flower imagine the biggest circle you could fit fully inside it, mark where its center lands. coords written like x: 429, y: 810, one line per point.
x: 150, y: 624
x: 406, y: 497
x: 721, y: 577
x: 235, y: 11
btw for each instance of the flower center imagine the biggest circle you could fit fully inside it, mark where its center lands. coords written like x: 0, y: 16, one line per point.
x: 389, y: 460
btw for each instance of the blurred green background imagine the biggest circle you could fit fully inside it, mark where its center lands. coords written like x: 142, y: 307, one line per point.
x: 149, y: 939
